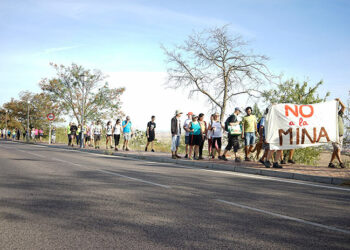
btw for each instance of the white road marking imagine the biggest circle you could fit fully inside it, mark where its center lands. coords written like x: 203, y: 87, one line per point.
x: 135, y: 179
x: 285, y: 217
x: 253, y: 176
x: 31, y: 153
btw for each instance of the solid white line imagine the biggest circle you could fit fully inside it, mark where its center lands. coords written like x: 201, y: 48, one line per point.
x: 285, y: 217
x: 37, y: 155
x: 135, y: 179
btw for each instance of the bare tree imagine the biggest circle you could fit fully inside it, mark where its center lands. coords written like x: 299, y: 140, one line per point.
x: 218, y: 65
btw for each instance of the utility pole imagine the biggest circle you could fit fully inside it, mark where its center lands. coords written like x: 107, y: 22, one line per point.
x: 27, y: 134
x: 82, y: 79
x: 6, y: 126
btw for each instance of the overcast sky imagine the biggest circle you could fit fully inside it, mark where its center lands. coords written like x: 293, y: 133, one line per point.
x: 304, y: 39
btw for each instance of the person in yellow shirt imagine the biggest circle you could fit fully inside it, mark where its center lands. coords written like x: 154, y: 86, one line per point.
x: 249, y: 132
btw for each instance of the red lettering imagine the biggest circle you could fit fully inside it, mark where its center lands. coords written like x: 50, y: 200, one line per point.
x: 302, y: 112
x: 294, y: 112
x: 291, y: 123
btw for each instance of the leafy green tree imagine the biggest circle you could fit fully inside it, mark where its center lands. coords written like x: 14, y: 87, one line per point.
x: 292, y: 91
x: 38, y: 105
x: 79, y: 91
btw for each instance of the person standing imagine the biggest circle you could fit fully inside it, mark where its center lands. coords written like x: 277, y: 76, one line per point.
x: 175, y: 134
x: 150, y: 133
x: 337, y: 146
x: 78, y: 136
x: 68, y: 133
x: 97, y: 134
x: 109, y: 130
x: 117, y: 130
x: 53, y: 135
x: 204, y: 131
x: 14, y: 133
x: 234, y: 131
x: 187, y: 131
x: 210, y: 138
x: 92, y: 134
x: 217, y: 129
x: 18, y: 134
x: 73, y: 133
x: 127, y: 132
x: 249, y: 132
x: 195, y: 137
x: 87, y: 135
x: 262, y: 137
x: 32, y: 134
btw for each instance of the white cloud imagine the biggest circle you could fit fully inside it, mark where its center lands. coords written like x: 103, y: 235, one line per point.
x: 53, y: 50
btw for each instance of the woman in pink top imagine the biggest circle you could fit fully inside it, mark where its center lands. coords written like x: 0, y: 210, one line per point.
x: 41, y: 134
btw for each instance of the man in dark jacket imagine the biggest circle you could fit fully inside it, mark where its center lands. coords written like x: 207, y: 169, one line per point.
x: 175, y: 133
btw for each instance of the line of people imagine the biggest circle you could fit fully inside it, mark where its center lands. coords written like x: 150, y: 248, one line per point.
x: 197, y: 131
x: 94, y: 133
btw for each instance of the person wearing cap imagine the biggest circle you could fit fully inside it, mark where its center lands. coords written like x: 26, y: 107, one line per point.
x: 127, y: 131
x: 187, y: 131
x: 234, y: 131
x: 195, y: 137
x: 175, y: 134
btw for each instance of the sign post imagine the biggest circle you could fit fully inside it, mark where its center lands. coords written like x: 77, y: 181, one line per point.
x: 50, y: 117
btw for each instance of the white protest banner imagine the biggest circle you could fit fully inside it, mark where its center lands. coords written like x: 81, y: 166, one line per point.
x: 290, y: 126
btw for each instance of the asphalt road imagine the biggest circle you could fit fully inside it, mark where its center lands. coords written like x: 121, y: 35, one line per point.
x: 60, y: 199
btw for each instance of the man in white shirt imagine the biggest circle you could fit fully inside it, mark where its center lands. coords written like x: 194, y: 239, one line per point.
x: 92, y: 133
x: 187, y: 130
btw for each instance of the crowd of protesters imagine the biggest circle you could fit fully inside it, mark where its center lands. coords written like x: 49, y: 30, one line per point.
x: 197, y: 132
x: 252, y: 131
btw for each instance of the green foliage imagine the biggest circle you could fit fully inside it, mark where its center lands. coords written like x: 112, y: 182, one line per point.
x: 38, y: 105
x: 292, y: 91
x: 309, y: 156
x: 75, y: 87
x: 257, y: 112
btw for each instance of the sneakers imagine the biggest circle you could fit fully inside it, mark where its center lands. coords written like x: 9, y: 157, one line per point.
x: 223, y: 158
x: 331, y: 165
x: 267, y: 164
x: 291, y: 161
x: 276, y: 165
x: 186, y: 156
x: 173, y: 157
x: 342, y: 165
x: 247, y: 159
x: 200, y: 158
x: 177, y: 156
x: 152, y: 150
x: 238, y: 159
x: 261, y: 161
x: 145, y: 149
x: 283, y: 162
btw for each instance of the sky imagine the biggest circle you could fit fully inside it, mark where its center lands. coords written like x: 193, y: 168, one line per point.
x: 304, y: 39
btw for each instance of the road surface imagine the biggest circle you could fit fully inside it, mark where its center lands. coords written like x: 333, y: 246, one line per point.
x: 61, y: 199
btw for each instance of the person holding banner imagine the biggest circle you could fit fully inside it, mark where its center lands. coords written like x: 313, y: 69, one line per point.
x: 234, y: 130
x: 337, y: 146
x: 249, y: 132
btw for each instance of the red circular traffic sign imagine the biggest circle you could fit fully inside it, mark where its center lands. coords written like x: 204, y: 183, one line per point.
x: 51, y: 117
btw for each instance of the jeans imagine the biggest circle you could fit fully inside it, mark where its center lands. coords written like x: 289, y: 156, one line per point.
x: 175, y: 142
x: 249, y: 138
